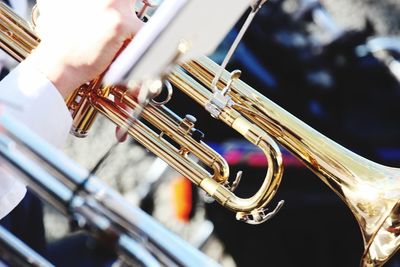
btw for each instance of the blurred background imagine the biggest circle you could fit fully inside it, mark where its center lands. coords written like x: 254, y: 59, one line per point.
x: 312, y: 58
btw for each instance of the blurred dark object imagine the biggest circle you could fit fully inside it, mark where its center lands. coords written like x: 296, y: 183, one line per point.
x: 80, y: 250
x: 26, y: 223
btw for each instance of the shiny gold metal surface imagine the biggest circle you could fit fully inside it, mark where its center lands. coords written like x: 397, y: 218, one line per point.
x: 370, y: 190
x: 18, y: 40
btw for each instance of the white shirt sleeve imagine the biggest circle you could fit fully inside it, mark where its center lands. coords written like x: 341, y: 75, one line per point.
x: 31, y: 98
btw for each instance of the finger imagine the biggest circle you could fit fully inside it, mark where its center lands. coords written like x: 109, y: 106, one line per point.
x: 121, y: 134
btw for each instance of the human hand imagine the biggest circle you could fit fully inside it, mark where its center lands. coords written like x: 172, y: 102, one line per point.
x: 80, y: 38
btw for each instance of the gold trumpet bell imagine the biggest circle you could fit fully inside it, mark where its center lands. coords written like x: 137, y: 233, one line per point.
x: 385, y: 242
x: 376, y: 206
x: 370, y: 190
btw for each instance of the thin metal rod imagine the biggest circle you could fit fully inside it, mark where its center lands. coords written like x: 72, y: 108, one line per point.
x: 255, y: 8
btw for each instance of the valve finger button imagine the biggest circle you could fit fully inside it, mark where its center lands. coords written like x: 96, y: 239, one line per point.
x: 187, y: 124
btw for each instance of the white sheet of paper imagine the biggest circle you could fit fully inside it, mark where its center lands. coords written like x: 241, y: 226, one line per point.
x: 202, y: 23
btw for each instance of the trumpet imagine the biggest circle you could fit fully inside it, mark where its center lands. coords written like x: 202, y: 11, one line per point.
x: 370, y: 190
x: 18, y: 39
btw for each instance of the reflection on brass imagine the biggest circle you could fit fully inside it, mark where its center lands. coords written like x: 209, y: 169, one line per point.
x: 370, y: 190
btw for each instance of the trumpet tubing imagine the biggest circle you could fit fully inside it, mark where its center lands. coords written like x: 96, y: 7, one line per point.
x: 212, y: 185
x: 370, y: 190
x: 18, y: 38
x: 249, y: 130
x: 90, y: 99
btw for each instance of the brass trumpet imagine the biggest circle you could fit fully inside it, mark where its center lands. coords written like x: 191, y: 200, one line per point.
x: 18, y: 39
x: 369, y: 189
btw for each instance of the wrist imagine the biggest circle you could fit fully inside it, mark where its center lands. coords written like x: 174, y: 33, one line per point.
x: 56, y: 70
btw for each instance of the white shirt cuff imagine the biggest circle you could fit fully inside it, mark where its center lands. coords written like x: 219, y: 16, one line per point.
x: 32, y: 99
x: 13, y: 194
